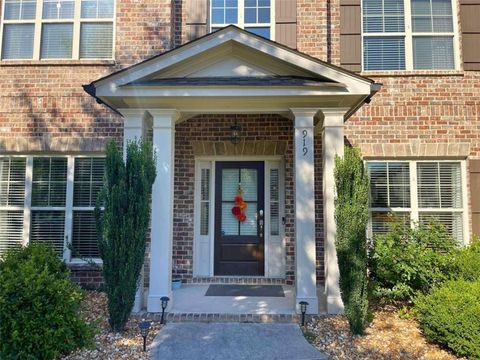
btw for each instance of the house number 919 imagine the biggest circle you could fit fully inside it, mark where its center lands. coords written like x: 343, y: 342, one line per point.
x: 304, y: 136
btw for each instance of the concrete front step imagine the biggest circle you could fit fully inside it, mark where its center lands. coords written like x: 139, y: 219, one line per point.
x: 240, y: 318
x: 237, y: 280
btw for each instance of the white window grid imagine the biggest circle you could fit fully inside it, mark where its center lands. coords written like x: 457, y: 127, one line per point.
x: 241, y: 19
x: 414, y: 210
x: 68, y: 208
x: 408, y: 35
x: 77, y: 21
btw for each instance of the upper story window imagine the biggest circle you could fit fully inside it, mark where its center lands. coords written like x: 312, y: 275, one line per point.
x: 57, y: 29
x: 255, y: 16
x: 408, y: 35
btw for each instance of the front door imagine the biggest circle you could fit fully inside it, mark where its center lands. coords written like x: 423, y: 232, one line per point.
x: 239, y: 218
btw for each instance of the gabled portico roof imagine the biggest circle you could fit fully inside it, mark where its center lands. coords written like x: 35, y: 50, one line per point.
x: 230, y: 70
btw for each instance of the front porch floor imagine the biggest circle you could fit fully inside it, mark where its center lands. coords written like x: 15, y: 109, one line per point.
x: 191, y: 299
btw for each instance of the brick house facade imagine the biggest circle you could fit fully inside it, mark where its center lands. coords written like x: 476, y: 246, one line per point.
x: 427, y: 115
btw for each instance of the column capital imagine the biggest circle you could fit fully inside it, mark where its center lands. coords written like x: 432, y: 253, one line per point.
x: 164, y: 118
x: 132, y: 113
x: 333, y: 117
x: 304, y: 117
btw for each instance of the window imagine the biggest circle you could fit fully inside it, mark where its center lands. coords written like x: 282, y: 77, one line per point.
x: 417, y: 192
x: 57, y: 29
x: 408, y: 35
x: 204, y: 201
x: 255, y: 16
x: 50, y: 200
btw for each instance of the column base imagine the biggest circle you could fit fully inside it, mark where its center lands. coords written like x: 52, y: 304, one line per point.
x: 154, y: 304
x: 334, y: 305
x: 312, y: 307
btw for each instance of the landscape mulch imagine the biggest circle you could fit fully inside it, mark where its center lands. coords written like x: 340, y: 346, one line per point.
x: 387, y: 337
x: 108, y: 345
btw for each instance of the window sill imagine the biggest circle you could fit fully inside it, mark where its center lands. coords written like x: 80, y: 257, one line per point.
x: 79, y: 263
x: 409, y: 73
x: 57, y: 63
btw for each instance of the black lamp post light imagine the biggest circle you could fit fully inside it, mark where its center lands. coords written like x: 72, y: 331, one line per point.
x: 144, y: 328
x: 164, y: 300
x: 303, y: 309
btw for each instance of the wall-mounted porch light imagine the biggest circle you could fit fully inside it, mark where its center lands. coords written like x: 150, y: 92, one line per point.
x: 235, y: 136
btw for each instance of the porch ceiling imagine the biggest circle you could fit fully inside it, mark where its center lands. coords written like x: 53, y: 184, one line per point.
x: 232, y: 71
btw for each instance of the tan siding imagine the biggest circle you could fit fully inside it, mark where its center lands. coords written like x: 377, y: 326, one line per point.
x: 197, y: 12
x: 469, y: 17
x: 286, y: 22
x: 350, y: 35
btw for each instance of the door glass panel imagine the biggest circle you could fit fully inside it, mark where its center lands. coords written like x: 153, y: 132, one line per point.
x: 249, y: 226
x: 249, y: 184
x: 229, y: 222
x: 229, y: 184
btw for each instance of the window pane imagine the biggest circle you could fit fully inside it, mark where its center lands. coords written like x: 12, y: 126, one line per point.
x: 384, y: 53
x: 218, y: 3
x: 432, y: 16
x: 264, y: 15
x: 261, y: 31
x: 204, y: 201
x: 383, y: 16
x: 84, y: 235
x: 378, y: 184
x: 453, y: 222
x: 20, y: 10
x: 274, y: 203
x: 12, y: 181
x: 451, y: 185
x: 250, y: 15
x: 49, y: 181
x: 88, y: 180
x: 399, y: 184
x: 428, y: 185
x: 218, y: 16
x: 382, y: 221
x: 105, y: 8
x: 53, y: 9
x: 231, y: 16
x: 249, y: 226
x: 97, y: 9
x: 229, y: 221
x: 439, y: 185
x: 17, y: 41
x: 96, y: 40
x: 11, y: 229
x: 56, y: 41
x: 248, y: 182
x: 433, y: 52
x: 48, y: 227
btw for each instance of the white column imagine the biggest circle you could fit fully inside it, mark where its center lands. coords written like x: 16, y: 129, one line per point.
x: 162, y: 209
x: 305, y: 256
x: 134, y: 128
x: 332, y: 144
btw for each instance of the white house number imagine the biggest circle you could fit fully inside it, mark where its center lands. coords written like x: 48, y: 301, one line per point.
x: 304, y: 136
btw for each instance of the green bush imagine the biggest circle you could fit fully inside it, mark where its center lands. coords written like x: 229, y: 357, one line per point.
x: 450, y: 315
x: 39, y: 306
x: 466, y: 262
x: 405, y: 260
x: 351, y: 217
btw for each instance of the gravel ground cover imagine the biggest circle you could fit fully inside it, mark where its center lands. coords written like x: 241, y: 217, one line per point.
x: 388, y: 337
x: 111, y: 346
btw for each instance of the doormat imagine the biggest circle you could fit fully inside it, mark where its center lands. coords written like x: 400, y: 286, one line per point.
x: 245, y: 290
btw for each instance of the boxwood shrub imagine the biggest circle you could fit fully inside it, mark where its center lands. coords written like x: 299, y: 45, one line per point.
x: 466, y: 262
x: 450, y: 315
x: 39, y: 306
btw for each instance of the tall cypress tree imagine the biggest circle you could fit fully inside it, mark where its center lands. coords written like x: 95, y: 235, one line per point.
x: 123, y: 224
x: 351, y: 216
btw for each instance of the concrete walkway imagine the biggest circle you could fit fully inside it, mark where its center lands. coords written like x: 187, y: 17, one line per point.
x: 201, y: 341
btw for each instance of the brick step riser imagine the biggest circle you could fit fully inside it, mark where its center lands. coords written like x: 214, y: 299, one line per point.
x: 240, y: 318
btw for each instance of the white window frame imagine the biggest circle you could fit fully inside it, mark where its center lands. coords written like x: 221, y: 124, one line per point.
x: 408, y: 35
x: 68, y: 208
x: 241, y: 19
x: 414, y: 209
x: 77, y: 20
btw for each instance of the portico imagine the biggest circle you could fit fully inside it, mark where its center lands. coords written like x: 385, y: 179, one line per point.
x: 231, y: 73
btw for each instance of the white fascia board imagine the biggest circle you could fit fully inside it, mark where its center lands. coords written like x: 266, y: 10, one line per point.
x: 149, y: 67
x: 243, y: 91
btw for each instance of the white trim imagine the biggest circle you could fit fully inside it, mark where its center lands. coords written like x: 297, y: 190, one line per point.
x: 409, y: 34
x: 209, y: 162
x: 76, y: 22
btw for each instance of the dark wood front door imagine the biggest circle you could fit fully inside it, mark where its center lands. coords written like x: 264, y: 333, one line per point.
x: 239, y: 245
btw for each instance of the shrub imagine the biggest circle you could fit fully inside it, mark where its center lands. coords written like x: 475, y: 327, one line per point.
x: 351, y: 216
x: 450, y: 315
x: 39, y: 306
x: 405, y: 260
x: 123, y: 225
x: 466, y: 262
